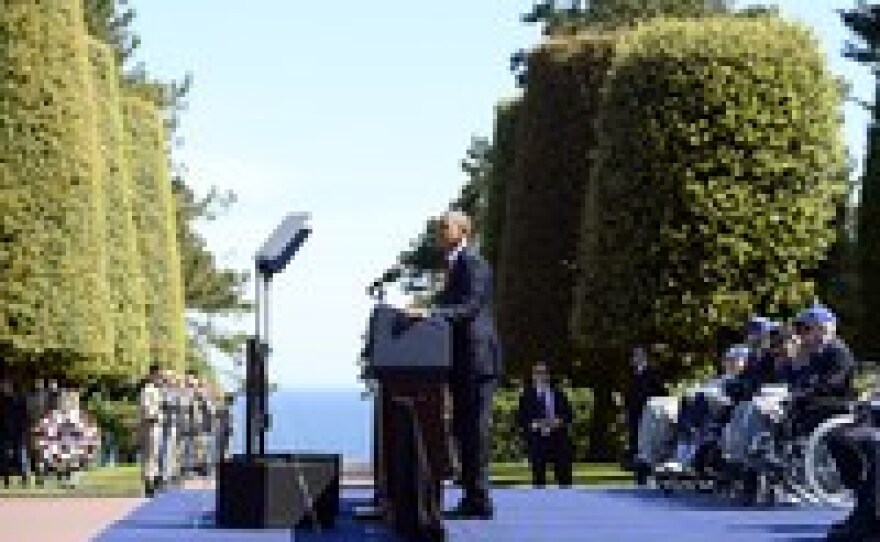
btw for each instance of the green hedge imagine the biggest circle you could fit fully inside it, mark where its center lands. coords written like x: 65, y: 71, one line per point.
x: 719, y: 170
x: 502, y: 162
x: 54, y: 316
x: 124, y: 270
x: 154, y: 217
x: 507, y: 443
x: 554, y: 145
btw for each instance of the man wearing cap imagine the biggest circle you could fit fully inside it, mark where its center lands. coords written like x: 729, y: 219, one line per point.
x: 831, y: 364
x: 760, y: 367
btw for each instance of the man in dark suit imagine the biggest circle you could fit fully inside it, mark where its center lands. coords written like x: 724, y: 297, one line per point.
x: 646, y: 383
x: 13, y: 425
x: 544, y: 416
x: 466, y: 301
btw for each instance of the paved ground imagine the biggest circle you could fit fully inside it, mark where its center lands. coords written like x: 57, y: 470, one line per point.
x: 82, y: 519
x: 523, y: 515
x: 61, y: 519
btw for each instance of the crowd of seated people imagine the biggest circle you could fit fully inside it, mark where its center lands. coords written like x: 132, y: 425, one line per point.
x: 800, y: 372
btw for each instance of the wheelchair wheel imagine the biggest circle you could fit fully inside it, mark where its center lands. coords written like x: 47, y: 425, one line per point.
x: 822, y: 476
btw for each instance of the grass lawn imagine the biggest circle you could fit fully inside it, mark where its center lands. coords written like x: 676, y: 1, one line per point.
x: 585, y: 474
x: 124, y: 480
x: 119, y: 481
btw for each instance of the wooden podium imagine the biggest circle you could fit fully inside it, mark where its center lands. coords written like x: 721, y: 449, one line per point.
x: 409, y: 363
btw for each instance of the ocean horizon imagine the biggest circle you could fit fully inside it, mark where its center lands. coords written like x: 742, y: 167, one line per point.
x: 315, y: 420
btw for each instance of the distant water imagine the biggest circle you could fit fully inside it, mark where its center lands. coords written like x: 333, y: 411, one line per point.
x: 329, y: 421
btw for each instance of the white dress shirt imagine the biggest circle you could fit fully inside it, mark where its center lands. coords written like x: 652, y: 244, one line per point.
x: 546, y: 395
x: 453, y: 255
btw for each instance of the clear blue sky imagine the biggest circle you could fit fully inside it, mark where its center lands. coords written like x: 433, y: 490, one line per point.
x: 358, y: 112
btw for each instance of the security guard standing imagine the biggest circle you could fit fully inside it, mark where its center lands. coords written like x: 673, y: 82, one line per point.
x: 151, y: 425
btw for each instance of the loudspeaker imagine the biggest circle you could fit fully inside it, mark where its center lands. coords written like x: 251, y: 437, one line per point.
x: 278, y: 491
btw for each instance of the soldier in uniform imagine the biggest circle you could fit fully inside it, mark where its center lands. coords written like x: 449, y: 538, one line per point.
x: 187, y: 424
x: 169, y: 428
x: 204, y: 409
x: 223, y: 426
x: 151, y: 425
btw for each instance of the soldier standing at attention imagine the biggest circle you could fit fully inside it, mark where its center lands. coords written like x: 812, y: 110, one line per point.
x: 169, y: 427
x: 151, y: 425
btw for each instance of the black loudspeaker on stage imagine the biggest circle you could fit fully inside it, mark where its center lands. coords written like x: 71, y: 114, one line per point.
x: 259, y: 490
x: 278, y: 491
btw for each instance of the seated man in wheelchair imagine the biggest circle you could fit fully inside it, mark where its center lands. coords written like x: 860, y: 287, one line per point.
x: 768, y: 439
x: 705, y: 410
x: 673, y: 431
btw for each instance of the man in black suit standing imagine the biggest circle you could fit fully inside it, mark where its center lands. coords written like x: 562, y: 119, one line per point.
x: 466, y: 301
x: 645, y: 383
x: 544, y: 416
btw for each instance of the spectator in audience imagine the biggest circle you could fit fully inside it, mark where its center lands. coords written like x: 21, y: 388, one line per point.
x: 695, y: 408
x: 13, y: 427
x: 759, y: 367
x: 831, y: 364
x: 544, y: 416
x: 646, y: 383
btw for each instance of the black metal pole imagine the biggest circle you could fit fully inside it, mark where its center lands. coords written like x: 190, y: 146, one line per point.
x: 264, y: 371
x: 252, y: 360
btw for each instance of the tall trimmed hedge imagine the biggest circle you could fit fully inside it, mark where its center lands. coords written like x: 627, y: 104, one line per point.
x: 53, y: 297
x: 554, y: 143
x: 502, y: 161
x: 124, y: 268
x: 154, y: 218
x: 720, y: 167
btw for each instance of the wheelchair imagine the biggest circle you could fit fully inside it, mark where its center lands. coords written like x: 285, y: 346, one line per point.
x: 695, y: 420
x: 771, y: 449
x: 777, y: 449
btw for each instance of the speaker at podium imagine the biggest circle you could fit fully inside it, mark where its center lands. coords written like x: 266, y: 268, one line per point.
x: 409, y: 361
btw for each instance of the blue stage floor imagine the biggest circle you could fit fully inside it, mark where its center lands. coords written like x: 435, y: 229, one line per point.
x: 551, y: 515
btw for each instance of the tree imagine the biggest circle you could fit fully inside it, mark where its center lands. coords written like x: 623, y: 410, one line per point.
x: 209, y: 290
x: 55, y: 305
x: 110, y: 22
x: 726, y: 205
x: 864, y: 22
x: 545, y: 200
x: 571, y: 16
x: 418, y: 267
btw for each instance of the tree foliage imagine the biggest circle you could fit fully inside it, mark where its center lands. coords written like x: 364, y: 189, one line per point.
x: 55, y: 310
x: 544, y: 199
x: 864, y: 22
x: 571, y: 16
x: 155, y: 217
x: 719, y: 174
x: 124, y: 271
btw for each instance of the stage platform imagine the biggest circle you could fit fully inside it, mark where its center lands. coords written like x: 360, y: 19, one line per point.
x: 527, y: 515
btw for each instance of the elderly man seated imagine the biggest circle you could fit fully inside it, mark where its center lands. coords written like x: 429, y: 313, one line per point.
x: 708, y: 406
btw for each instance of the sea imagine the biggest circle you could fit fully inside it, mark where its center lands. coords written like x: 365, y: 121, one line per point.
x: 336, y: 421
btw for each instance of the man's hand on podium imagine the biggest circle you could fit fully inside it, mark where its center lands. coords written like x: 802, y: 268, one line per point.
x: 417, y: 313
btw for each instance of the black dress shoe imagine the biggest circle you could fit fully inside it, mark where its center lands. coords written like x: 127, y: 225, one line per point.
x: 469, y: 511
x: 855, y: 528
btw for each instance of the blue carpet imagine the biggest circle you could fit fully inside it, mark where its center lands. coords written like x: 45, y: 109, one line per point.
x: 527, y: 515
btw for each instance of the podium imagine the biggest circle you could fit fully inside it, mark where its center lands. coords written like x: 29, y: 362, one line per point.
x: 409, y: 361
